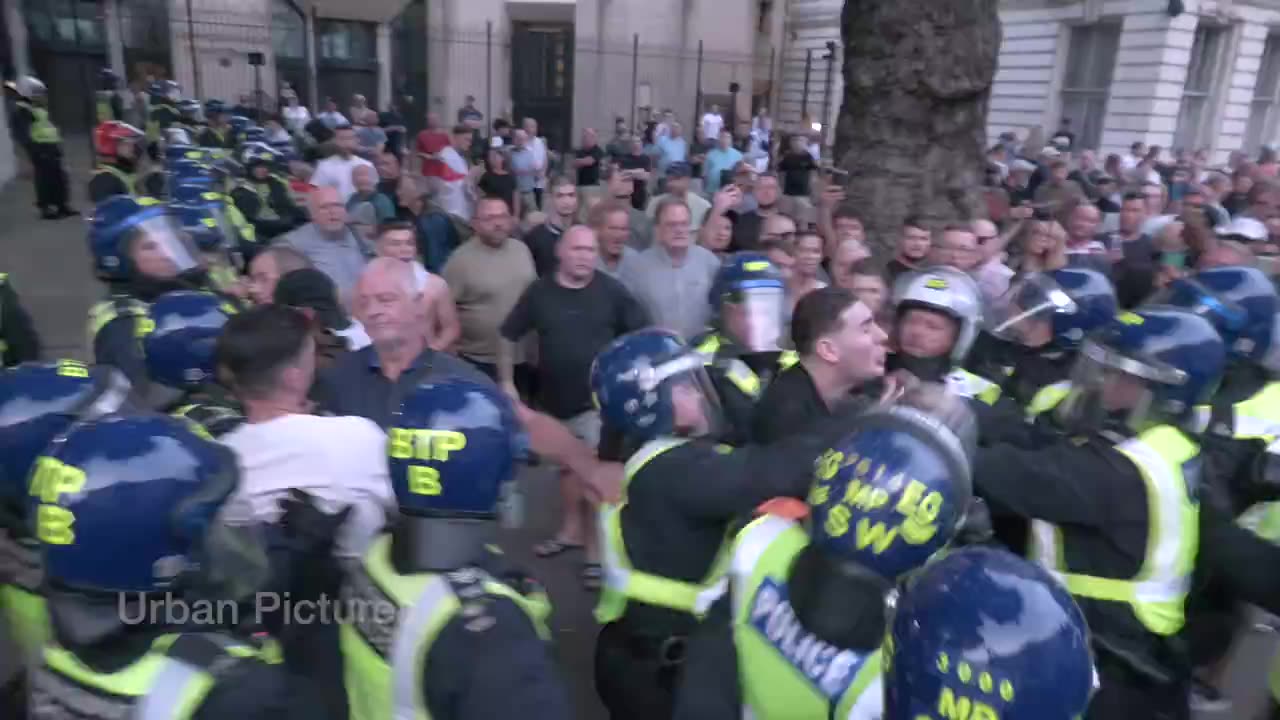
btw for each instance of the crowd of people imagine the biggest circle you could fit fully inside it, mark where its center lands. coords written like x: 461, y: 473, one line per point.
x: 803, y: 478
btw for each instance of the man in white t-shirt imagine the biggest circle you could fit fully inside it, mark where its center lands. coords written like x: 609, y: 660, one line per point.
x: 538, y: 147
x: 454, y: 192
x: 335, y: 171
x: 712, y: 123
x: 269, y: 357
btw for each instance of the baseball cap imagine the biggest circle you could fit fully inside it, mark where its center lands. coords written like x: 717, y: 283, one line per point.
x: 310, y: 288
x: 679, y: 169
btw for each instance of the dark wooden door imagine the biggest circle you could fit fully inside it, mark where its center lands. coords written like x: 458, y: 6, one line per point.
x: 542, y: 78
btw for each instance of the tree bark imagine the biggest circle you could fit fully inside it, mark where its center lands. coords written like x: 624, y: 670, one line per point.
x: 912, y: 127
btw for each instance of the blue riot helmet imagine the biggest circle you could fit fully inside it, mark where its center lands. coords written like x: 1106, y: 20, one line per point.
x: 750, y: 299
x: 1147, y: 367
x: 1242, y: 304
x: 129, y: 504
x: 258, y: 154
x: 253, y: 135
x: 984, y: 630
x: 895, y: 490
x: 214, y: 203
x: 173, y: 153
x: 183, y: 330
x: 239, y: 123
x: 189, y: 110
x: 1054, y: 309
x: 213, y: 108
x: 163, y: 91
x: 202, y: 225
x: 131, y: 237
x: 108, y: 79
x: 39, y: 402
x: 453, y: 444
x: 648, y: 383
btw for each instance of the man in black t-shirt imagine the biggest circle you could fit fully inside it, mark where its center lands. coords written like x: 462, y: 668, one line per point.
x: 639, y: 167
x: 797, y: 167
x: 392, y: 123
x: 576, y: 312
x: 588, y: 158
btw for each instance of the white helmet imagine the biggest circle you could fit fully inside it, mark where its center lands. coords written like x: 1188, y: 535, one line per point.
x: 948, y: 291
x: 30, y: 86
x: 1244, y: 228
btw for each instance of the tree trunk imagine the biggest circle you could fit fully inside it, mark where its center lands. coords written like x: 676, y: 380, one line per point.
x: 912, y: 128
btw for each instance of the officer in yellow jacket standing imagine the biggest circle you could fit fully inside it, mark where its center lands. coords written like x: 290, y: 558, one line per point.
x: 42, y: 142
x: 438, y: 629
x: 144, y: 583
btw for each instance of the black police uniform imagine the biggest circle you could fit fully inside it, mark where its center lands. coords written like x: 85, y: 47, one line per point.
x: 740, y: 379
x: 1097, y: 498
x: 46, y: 158
x: 162, y: 117
x: 681, y: 507
x: 268, y: 205
x: 219, y: 137
x: 19, y: 341
x: 246, y: 688
x: 211, y: 410
x: 112, y: 178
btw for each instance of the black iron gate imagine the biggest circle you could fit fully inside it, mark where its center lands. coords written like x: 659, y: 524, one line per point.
x: 542, y: 78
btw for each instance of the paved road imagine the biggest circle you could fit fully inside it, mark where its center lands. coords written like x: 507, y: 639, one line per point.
x: 50, y: 267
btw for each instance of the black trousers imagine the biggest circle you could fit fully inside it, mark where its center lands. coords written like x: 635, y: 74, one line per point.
x: 634, y: 683
x: 526, y: 378
x: 50, y: 178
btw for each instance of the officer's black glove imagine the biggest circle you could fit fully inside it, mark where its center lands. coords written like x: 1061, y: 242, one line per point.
x: 309, y: 529
x: 975, y: 528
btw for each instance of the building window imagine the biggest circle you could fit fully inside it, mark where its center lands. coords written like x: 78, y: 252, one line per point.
x: 1262, y: 111
x: 288, y: 31
x: 345, y: 41
x: 1193, y: 114
x: 1091, y: 59
x: 68, y: 23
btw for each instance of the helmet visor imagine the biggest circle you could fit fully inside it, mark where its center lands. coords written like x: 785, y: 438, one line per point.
x: 1227, y: 317
x: 158, y: 247
x: 1018, y: 315
x: 695, y: 403
x: 1108, y: 387
x: 754, y: 318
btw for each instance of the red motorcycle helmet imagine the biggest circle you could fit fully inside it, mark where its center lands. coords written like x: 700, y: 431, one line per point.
x: 108, y: 136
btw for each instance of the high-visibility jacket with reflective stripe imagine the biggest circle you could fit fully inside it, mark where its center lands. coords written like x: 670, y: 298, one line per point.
x: 1167, y: 461
x: 1047, y: 398
x: 784, y: 670
x: 164, y: 684
x: 395, y: 620
x: 43, y: 131
x: 20, y: 600
x: 966, y: 384
x: 105, y: 112
x: 623, y: 583
x: 119, y: 306
x: 129, y: 179
x: 737, y: 371
x: 262, y: 189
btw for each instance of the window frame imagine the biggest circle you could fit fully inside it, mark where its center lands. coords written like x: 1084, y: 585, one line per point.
x: 1094, y: 93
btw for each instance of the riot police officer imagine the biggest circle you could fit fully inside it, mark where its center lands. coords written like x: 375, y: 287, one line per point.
x: 38, y: 402
x: 1047, y: 316
x: 238, y: 235
x: 263, y: 198
x: 236, y: 127
x: 141, y: 252
x: 938, y: 312
x: 164, y: 96
x: 108, y: 105
x: 981, y: 633
x: 42, y: 141
x: 466, y: 637
x: 663, y: 548
x: 743, y: 349
x: 19, y: 341
x: 795, y: 595
x: 216, y: 133
x: 1115, y: 508
x: 117, y: 144
x: 219, y: 253
x: 126, y: 510
x: 179, y: 356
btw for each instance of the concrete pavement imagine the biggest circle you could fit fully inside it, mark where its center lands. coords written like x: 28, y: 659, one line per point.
x: 50, y: 267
